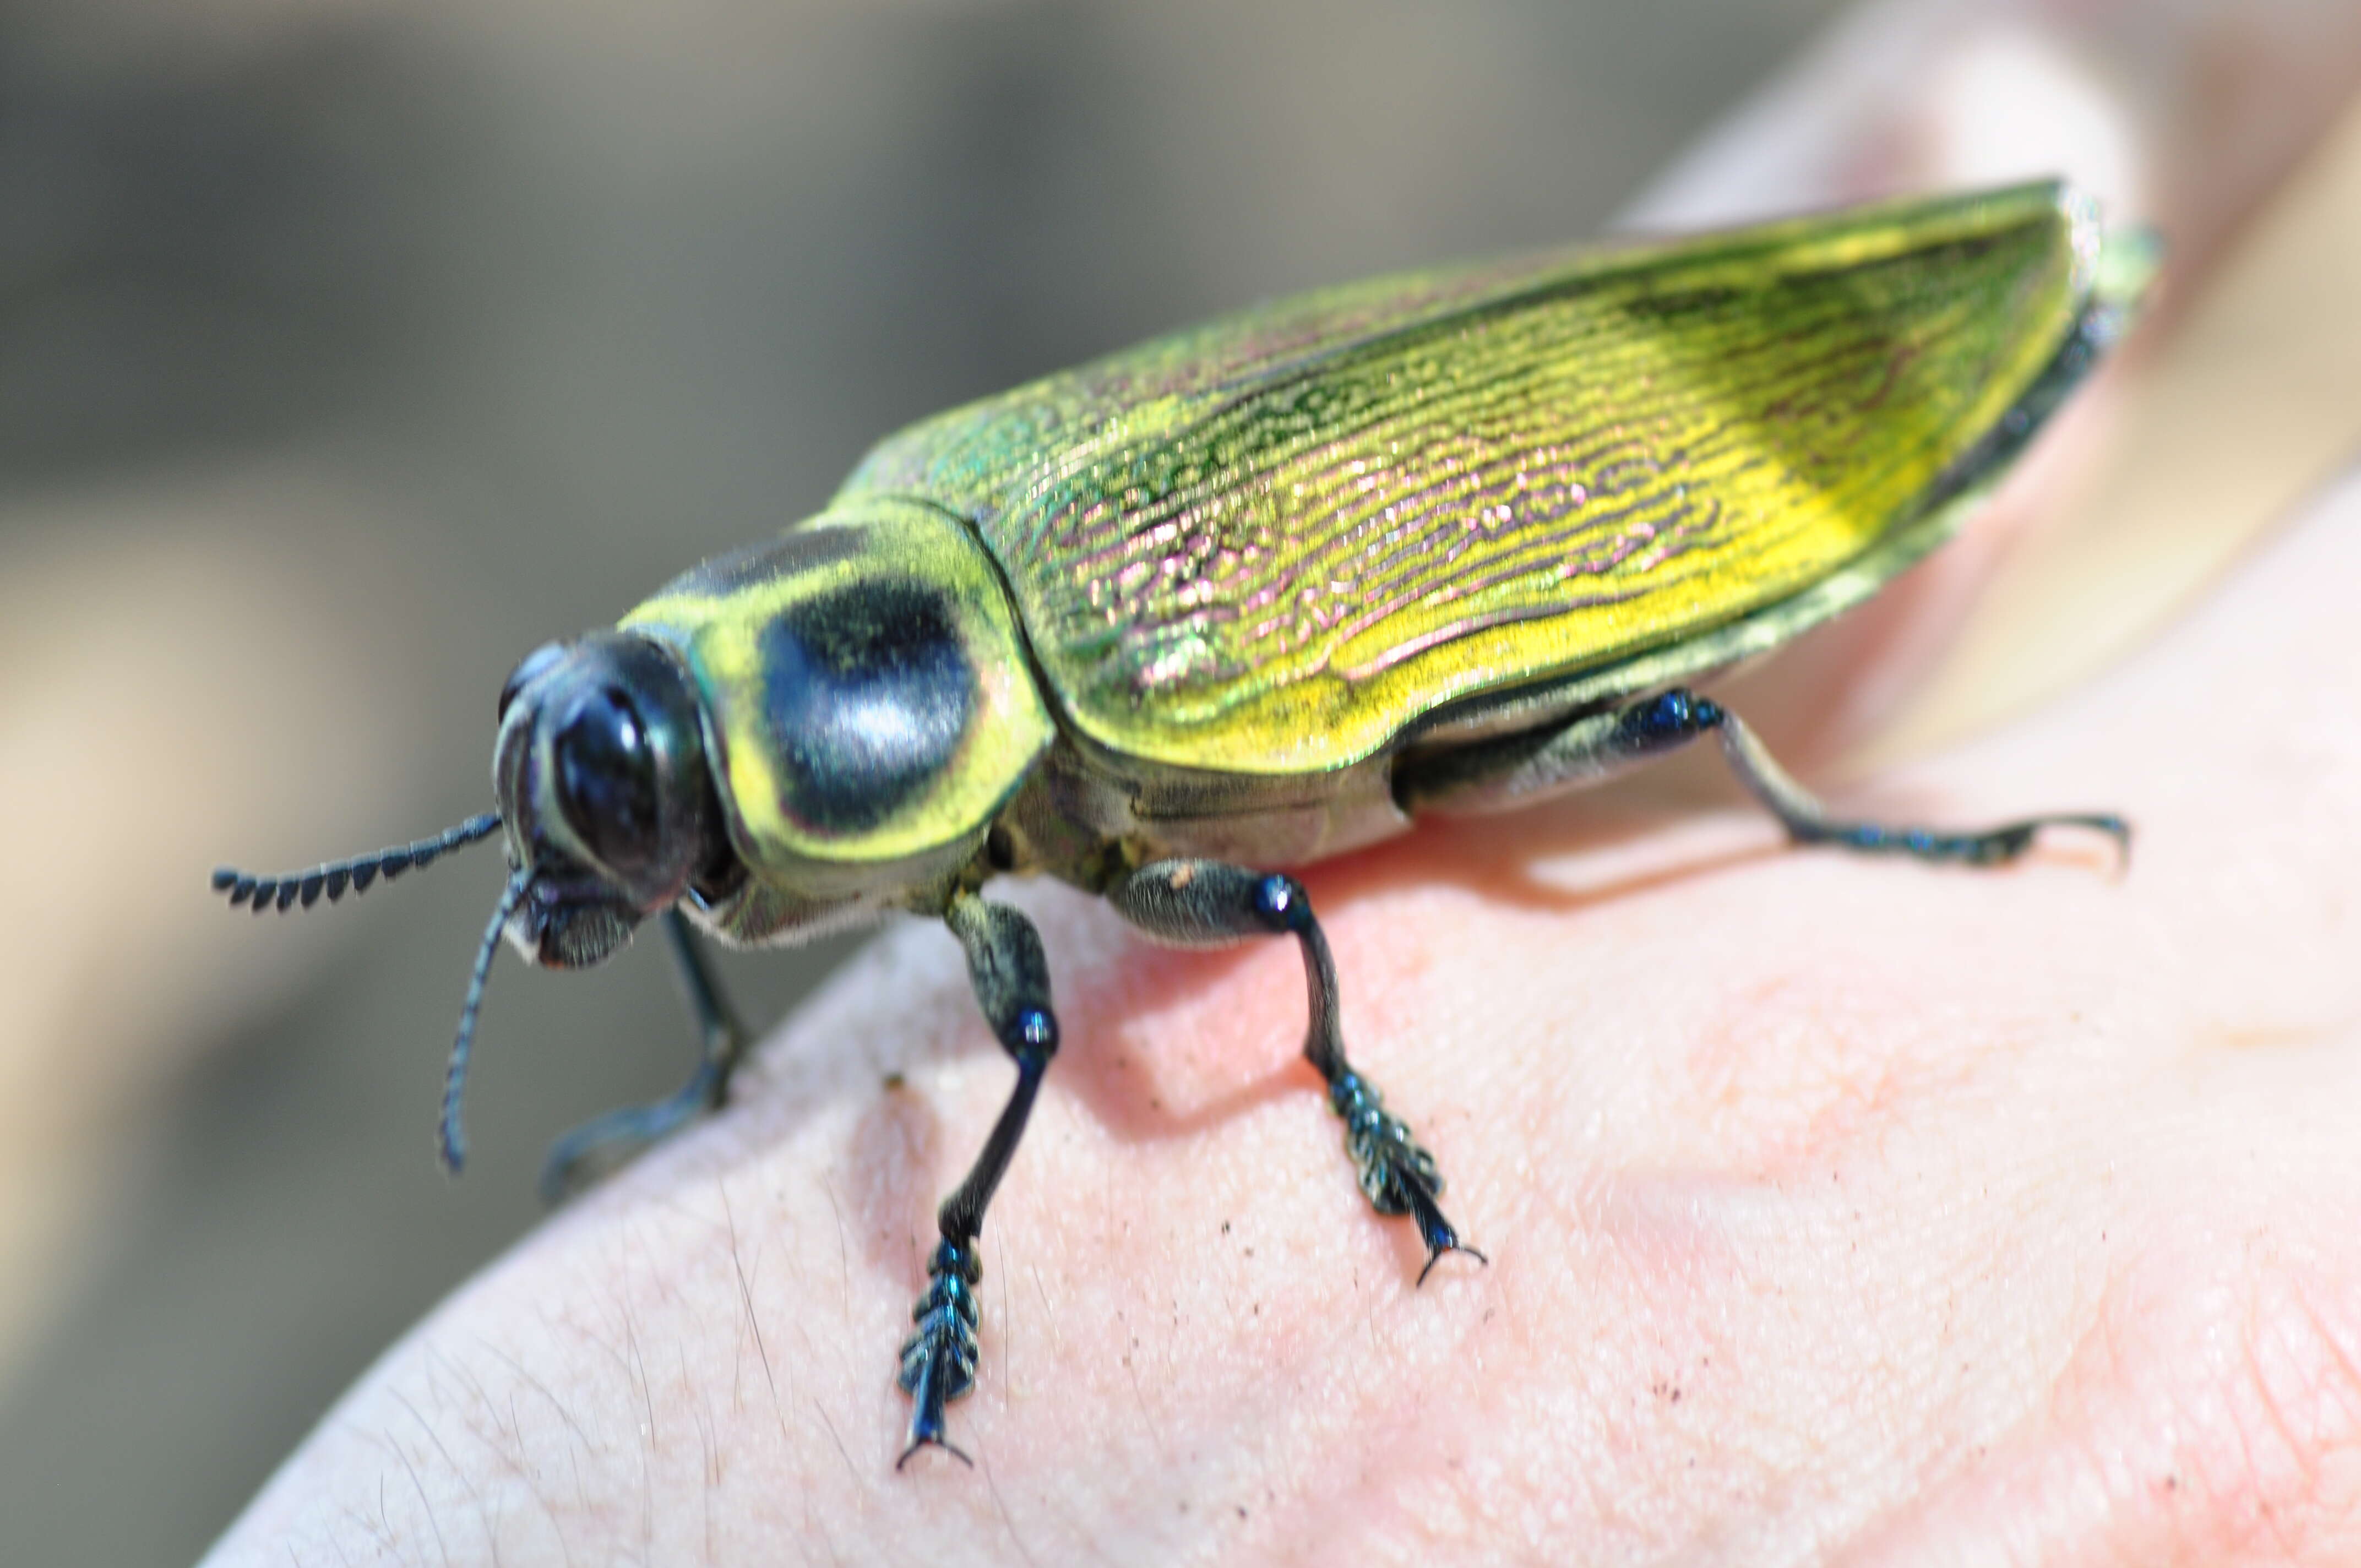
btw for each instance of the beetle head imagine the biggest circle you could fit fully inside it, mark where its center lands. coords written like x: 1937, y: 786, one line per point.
x: 789, y: 739
x: 603, y: 788
x: 607, y: 805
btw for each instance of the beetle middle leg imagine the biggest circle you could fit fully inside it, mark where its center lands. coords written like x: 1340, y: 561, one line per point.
x: 1516, y: 770
x: 721, y: 1040
x: 1193, y: 903
x: 1010, y: 977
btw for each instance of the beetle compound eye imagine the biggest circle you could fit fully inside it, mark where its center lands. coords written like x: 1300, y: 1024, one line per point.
x: 607, y: 780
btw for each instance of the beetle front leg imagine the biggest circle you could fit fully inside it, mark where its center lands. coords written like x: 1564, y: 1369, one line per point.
x: 1005, y: 965
x: 1518, y: 769
x: 1193, y: 903
x: 721, y: 1042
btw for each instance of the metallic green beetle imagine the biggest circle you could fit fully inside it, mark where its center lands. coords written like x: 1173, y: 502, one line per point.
x: 1264, y: 592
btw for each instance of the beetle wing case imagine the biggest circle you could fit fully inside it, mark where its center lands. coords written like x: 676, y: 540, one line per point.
x: 1273, y: 544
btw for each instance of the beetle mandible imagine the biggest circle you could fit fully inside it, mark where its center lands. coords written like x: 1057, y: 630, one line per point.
x: 1262, y: 592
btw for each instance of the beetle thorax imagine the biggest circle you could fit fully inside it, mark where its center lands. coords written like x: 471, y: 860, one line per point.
x: 868, y: 704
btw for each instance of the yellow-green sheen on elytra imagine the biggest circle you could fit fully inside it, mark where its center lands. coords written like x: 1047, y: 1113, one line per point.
x: 1269, y: 545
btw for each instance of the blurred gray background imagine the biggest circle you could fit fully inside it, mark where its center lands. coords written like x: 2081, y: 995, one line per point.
x: 348, y: 350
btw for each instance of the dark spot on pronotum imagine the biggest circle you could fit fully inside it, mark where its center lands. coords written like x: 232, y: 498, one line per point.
x: 868, y: 691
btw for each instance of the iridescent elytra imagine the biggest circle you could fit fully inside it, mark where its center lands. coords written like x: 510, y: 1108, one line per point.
x: 1168, y: 625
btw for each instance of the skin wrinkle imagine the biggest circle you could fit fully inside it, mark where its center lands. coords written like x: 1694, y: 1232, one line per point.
x: 1813, y: 1073
x: 1727, y: 1359
x: 2162, y: 1442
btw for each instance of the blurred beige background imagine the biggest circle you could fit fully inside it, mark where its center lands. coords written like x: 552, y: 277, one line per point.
x: 348, y: 350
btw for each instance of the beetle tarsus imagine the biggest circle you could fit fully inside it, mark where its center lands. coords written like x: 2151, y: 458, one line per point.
x: 1398, y: 1175
x: 939, y: 1358
x: 1991, y: 847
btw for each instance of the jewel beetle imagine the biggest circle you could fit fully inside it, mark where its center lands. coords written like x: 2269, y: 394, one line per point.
x: 1168, y: 625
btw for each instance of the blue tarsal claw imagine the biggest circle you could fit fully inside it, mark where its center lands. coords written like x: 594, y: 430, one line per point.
x: 1432, y: 1229
x: 939, y: 1358
x: 1398, y: 1176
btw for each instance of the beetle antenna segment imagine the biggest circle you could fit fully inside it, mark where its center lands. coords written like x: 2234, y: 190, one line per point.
x: 305, y: 887
x: 454, y: 1142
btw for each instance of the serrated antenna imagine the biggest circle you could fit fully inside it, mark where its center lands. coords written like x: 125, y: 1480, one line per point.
x: 451, y: 1141
x: 291, y: 888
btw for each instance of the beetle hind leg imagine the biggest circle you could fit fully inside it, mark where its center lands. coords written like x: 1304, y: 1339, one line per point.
x: 1517, y: 768
x: 609, y: 1140
x: 1810, y: 822
x: 1192, y: 903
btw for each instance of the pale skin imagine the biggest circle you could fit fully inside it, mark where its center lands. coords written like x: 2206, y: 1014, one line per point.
x: 1837, y: 1209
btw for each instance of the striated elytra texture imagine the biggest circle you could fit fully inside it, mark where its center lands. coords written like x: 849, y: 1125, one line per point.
x: 1271, y: 544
